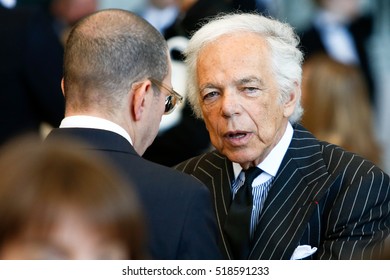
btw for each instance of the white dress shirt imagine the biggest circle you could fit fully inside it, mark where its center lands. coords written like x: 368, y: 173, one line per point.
x: 337, y: 39
x: 82, y: 121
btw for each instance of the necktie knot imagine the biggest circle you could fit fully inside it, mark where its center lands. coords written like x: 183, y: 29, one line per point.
x: 251, y: 173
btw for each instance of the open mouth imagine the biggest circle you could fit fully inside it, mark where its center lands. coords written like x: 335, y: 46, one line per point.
x: 237, y: 135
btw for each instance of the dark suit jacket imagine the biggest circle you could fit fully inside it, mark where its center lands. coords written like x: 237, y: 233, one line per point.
x: 179, y: 214
x: 30, y: 72
x: 321, y: 196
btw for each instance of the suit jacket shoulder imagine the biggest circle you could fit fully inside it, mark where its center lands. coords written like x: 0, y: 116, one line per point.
x: 178, y: 209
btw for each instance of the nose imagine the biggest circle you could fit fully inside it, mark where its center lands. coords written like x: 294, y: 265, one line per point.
x: 230, y: 104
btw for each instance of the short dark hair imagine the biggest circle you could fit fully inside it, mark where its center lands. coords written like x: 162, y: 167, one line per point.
x: 106, y: 53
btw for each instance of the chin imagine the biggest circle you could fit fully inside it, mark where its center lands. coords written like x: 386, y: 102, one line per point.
x: 241, y: 157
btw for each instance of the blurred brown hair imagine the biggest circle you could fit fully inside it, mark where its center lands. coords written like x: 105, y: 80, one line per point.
x: 40, y: 181
x: 337, y: 108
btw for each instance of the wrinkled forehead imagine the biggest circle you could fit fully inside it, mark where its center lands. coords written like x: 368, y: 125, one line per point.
x: 237, y: 48
x: 235, y: 53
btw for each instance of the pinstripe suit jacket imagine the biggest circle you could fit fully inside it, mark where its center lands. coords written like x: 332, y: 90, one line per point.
x: 321, y: 196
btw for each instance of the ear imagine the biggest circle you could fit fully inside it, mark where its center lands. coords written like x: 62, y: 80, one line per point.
x: 63, y: 87
x: 138, y: 97
x: 290, y: 104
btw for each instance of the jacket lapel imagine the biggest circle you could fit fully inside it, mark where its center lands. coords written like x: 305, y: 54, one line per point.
x: 216, y: 171
x: 298, y: 187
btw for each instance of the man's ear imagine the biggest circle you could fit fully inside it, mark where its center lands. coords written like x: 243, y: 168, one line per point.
x: 292, y: 101
x: 63, y: 87
x: 138, y: 97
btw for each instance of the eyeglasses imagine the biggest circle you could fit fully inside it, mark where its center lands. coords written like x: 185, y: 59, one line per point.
x: 172, y: 100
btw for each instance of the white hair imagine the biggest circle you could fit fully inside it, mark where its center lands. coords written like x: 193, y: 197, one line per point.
x: 286, y: 58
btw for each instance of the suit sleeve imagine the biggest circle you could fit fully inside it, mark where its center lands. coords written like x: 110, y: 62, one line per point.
x: 199, y: 236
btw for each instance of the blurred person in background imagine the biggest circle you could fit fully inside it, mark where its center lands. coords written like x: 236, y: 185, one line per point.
x: 335, y: 98
x: 192, y: 13
x: 31, y: 57
x: 30, y: 73
x: 66, y: 13
x: 341, y: 29
x: 59, y: 202
x: 160, y: 13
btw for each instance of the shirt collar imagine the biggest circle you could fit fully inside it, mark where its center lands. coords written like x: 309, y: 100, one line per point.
x: 270, y: 165
x: 82, y: 121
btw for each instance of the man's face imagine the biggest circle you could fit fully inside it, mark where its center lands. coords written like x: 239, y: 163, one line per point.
x: 153, y: 114
x: 239, y: 98
x: 71, y: 11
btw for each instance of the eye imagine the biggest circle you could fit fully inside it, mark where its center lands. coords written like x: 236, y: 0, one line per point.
x: 252, y: 91
x: 210, y: 96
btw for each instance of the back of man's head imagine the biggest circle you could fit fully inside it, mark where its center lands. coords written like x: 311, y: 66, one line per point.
x: 105, y: 54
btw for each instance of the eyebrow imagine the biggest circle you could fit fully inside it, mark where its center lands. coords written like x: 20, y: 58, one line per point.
x: 248, y: 80
x: 208, y: 85
x: 243, y: 81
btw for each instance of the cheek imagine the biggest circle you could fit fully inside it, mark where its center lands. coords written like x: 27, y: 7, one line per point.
x: 153, y: 129
x: 267, y: 120
x: 161, y: 106
x: 212, y: 127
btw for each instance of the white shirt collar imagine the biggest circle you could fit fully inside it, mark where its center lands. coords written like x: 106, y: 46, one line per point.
x: 270, y: 165
x: 82, y: 121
